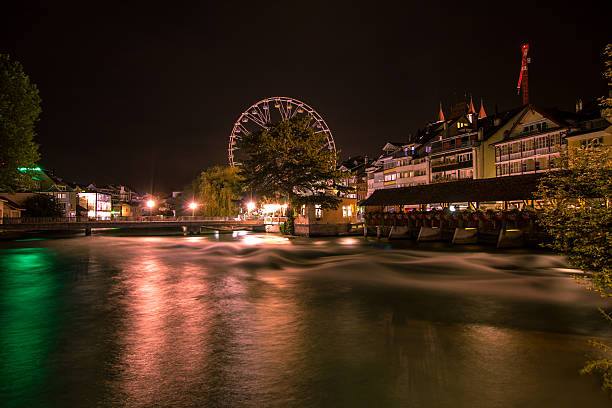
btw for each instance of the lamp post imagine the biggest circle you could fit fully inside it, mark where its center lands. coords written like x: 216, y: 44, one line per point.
x: 250, y: 207
x: 150, y: 204
x: 193, y: 206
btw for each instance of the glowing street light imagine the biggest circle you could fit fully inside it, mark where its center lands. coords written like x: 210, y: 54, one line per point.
x: 193, y: 206
x: 150, y: 204
x: 250, y: 206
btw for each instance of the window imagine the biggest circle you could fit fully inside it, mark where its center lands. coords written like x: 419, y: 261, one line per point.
x: 318, y: 212
x: 589, y: 144
x: 303, y: 210
x: 428, y: 149
x: 555, y: 139
x: 465, y: 173
x: 527, y: 145
x: 390, y: 176
x: 464, y: 157
x: 515, y: 167
x: 347, y: 211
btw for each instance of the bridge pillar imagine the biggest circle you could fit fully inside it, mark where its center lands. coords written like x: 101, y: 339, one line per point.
x: 191, y: 229
x: 87, y: 231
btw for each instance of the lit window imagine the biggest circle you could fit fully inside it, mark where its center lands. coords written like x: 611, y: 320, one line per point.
x: 318, y: 211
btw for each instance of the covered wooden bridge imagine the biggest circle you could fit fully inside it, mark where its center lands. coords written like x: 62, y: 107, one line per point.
x: 495, y: 210
x: 493, y: 193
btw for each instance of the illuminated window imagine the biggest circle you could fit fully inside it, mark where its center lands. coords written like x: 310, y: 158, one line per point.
x: 390, y: 176
x: 318, y: 211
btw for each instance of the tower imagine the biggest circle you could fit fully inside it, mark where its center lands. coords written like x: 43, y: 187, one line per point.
x: 523, y: 83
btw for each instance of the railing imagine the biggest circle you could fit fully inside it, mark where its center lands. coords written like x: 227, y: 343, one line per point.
x: 441, y: 146
x: 114, y: 220
x: 525, y: 153
x: 274, y: 220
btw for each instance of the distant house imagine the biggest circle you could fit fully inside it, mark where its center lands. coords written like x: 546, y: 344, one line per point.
x: 312, y: 220
x: 99, y: 205
x: 63, y: 192
x: 9, y: 209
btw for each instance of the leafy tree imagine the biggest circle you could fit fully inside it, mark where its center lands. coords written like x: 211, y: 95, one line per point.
x: 578, y: 217
x: 19, y: 111
x: 219, y: 190
x: 606, y: 102
x: 290, y: 161
x: 578, y: 214
x: 43, y: 205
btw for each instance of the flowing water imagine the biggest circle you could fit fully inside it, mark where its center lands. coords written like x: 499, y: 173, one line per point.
x: 264, y: 321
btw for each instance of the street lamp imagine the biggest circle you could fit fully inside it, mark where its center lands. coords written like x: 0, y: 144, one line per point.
x: 250, y: 207
x: 193, y: 206
x: 150, y: 204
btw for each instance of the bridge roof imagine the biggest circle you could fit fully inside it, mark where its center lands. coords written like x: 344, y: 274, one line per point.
x: 508, y: 188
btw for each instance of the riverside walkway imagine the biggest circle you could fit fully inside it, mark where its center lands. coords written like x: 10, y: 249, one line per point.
x: 187, y: 223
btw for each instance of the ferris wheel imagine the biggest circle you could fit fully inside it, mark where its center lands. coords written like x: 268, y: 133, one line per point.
x: 268, y: 111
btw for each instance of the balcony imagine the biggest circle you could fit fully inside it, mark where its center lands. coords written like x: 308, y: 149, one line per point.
x: 526, y: 153
x: 451, y: 145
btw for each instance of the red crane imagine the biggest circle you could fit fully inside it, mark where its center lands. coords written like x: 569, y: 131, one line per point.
x: 524, y: 75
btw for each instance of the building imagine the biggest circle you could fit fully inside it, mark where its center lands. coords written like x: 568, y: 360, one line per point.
x: 534, y: 142
x: 47, y: 182
x: 98, y: 205
x: 312, y: 220
x: 9, y: 209
x: 123, y: 199
x: 357, y: 179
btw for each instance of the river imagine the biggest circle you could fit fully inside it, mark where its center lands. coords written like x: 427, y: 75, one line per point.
x: 249, y: 320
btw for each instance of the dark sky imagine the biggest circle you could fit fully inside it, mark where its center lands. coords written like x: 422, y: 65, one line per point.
x: 140, y: 92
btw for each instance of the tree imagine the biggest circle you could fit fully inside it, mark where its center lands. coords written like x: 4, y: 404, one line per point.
x: 43, y: 205
x: 289, y: 161
x: 19, y: 111
x: 219, y: 189
x: 578, y: 212
x: 606, y: 101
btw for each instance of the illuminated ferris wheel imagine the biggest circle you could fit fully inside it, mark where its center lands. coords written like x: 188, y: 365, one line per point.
x: 273, y: 110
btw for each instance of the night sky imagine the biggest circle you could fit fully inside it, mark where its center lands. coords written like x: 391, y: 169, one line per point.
x: 134, y: 94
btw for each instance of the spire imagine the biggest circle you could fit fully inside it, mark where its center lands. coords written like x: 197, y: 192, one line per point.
x: 441, y: 114
x: 482, y: 114
x: 471, y: 107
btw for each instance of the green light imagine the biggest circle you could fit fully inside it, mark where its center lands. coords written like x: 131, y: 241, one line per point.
x: 25, y: 169
x: 29, y: 239
x: 29, y: 311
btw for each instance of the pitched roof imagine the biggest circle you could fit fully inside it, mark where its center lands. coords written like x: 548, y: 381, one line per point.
x: 12, y: 204
x: 508, y: 188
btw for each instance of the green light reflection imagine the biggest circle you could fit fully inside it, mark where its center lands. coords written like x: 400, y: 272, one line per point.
x: 28, y: 322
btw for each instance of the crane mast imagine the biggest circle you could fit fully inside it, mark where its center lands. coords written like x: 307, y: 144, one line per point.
x: 523, y: 77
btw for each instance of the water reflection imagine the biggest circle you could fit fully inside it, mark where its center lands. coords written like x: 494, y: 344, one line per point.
x: 261, y: 320
x: 29, y: 318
